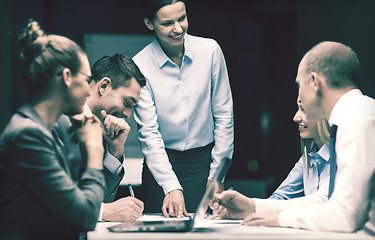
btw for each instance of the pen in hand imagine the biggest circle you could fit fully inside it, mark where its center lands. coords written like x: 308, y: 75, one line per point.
x: 131, y: 190
x: 218, y: 201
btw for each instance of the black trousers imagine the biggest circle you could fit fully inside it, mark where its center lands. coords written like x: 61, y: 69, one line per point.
x: 191, y: 168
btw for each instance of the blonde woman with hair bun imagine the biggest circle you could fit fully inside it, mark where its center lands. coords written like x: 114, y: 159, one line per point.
x: 38, y: 198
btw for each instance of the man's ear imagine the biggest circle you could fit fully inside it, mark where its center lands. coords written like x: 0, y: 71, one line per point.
x: 67, y: 77
x: 316, y: 81
x: 104, y: 85
x: 148, y: 24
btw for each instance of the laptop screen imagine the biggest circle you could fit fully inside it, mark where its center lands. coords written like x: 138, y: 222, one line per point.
x: 211, y: 190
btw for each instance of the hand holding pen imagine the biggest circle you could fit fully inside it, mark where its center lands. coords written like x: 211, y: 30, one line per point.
x: 231, y: 204
x: 126, y: 209
x: 131, y: 191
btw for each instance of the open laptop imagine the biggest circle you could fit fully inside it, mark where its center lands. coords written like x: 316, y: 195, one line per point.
x: 179, y: 225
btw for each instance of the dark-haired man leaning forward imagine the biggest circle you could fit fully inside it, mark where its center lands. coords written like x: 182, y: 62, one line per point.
x: 115, y: 86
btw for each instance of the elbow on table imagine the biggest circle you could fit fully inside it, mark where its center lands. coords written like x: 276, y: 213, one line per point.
x: 87, y: 218
x: 91, y: 226
x: 351, y: 223
x: 91, y: 219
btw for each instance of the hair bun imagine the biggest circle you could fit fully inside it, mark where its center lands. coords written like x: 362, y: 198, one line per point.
x: 33, y: 41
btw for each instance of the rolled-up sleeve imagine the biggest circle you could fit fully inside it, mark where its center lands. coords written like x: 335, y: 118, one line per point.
x: 152, y: 144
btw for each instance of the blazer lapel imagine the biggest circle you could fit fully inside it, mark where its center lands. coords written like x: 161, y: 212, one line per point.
x: 29, y: 111
x: 58, y: 144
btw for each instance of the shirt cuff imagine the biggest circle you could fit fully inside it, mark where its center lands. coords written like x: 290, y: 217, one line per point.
x: 113, y: 164
x: 212, y: 175
x: 172, y: 185
x: 265, y: 205
x: 100, y: 218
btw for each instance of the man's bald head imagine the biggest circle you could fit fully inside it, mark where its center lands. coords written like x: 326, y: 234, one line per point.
x: 336, y: 61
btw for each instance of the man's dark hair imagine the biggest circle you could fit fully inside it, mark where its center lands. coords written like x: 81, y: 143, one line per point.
x: 119, y: 68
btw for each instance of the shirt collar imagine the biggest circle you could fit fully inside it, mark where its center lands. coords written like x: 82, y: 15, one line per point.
x: 162, y: 58
x: 323, y: 152
x: 188, y: 47
x: 86, y: 110
x: 340, y: 107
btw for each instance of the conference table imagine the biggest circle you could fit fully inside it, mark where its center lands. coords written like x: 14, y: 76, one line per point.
x: 222, y: 230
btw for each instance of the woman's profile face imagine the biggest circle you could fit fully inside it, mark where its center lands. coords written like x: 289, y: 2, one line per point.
x: 79, y: 88
x: 170, y: 24
x: 306, y: 128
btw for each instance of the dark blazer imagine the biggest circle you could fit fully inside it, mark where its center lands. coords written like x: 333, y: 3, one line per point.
x: 74, y: 159
x: 37, y: 193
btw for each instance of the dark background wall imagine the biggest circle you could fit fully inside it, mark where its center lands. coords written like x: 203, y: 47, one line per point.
x: 262, y: 40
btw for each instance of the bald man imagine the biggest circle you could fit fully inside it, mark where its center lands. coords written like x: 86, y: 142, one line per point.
x: 328, y: 79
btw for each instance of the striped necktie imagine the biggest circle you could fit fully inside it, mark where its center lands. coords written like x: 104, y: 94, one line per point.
x: 333, y: 166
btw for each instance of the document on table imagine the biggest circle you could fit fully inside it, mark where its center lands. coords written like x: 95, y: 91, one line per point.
x: 152, y: 218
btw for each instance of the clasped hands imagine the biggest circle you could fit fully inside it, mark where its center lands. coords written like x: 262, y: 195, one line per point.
x: 115, y: 130
x: 233, y: 205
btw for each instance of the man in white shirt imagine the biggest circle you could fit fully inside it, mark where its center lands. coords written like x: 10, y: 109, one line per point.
x: 328, y: 78
x: 115, y: 86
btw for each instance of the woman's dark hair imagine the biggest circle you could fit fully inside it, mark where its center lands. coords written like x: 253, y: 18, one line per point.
x: 43, y: 56
x: 151, y: 7
x: 119, y: 68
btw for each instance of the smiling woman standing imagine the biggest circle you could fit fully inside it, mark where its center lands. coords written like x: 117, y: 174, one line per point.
x: 38, y: 198
x: 185, y: 112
